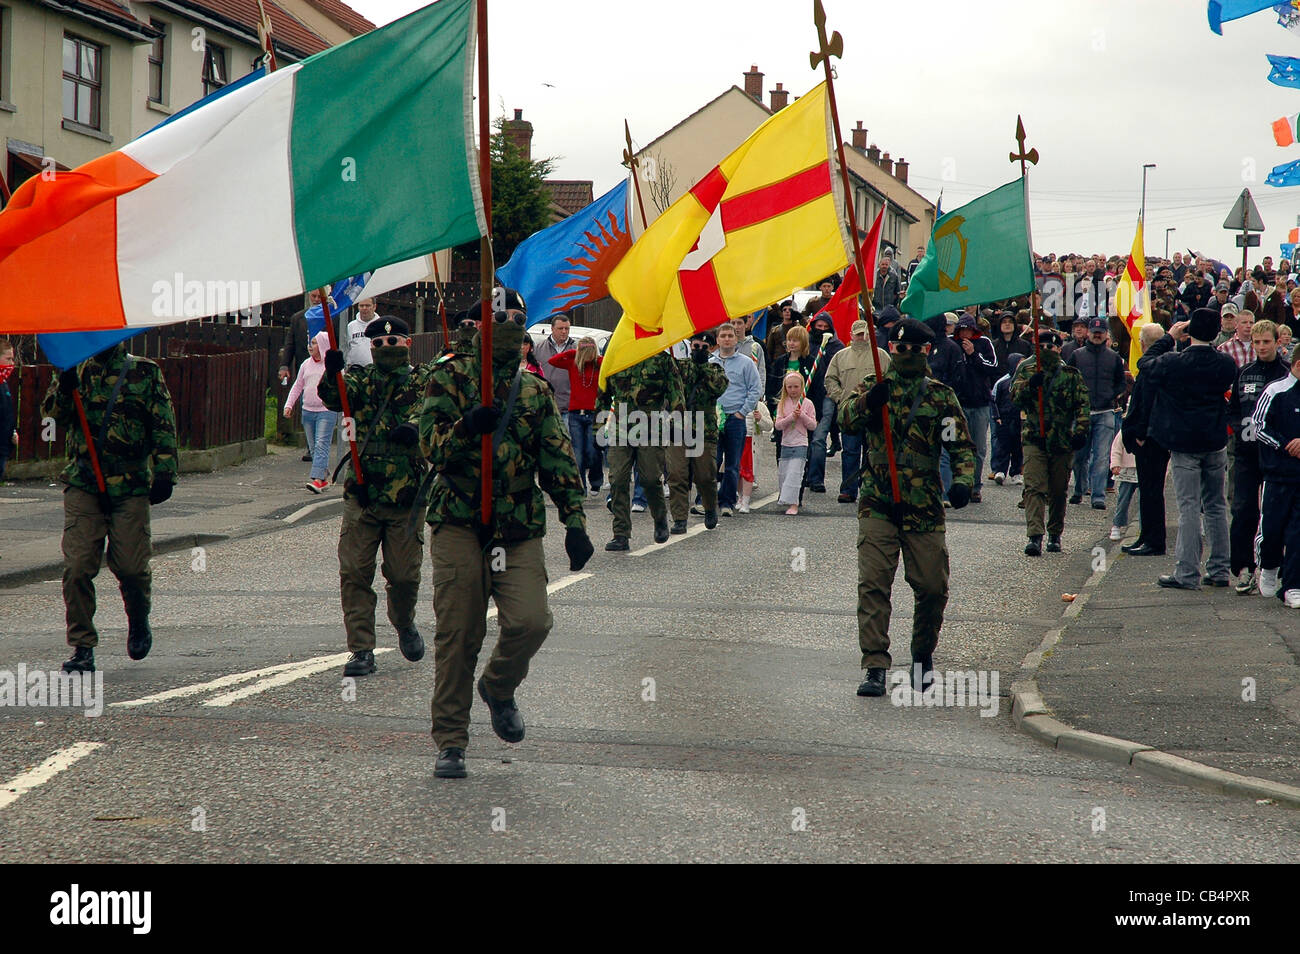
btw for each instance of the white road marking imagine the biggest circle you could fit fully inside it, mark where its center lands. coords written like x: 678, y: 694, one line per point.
x: 301, y: 670
x: 221, y: 683
x: 698, y: 528
x: 56, y: 763
x: 302, y: 512
x: 559, y: 584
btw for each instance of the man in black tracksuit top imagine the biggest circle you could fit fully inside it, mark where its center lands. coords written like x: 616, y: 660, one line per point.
x: 1277, y: 432
x: 1267, y: 367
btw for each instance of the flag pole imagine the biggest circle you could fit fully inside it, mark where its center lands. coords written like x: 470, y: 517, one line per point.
x: 486, y: 268
x: 90, y: 441
x: 631, y: 161
x: 834, y: 46
x: 357, y: 473
x: 1034, y: 309
x: 442, y: 303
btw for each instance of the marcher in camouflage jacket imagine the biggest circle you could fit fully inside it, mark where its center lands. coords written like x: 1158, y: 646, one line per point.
x: 140, y: 444
x: 652, y: 385
x: 535, y: 447
x: 1065, y: 404
x: 939, y: 423
x: 393, y: 469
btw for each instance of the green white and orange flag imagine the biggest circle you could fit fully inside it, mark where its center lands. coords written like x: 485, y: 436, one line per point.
x: 1133, y: 298
x: 766, y: 219
x: 1286, y: 131
x: 357, y: 158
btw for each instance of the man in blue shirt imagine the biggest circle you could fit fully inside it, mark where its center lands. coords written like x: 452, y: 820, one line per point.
x: 738, y: 402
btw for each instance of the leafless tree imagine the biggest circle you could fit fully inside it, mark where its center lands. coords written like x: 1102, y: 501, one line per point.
x: 661, y: 178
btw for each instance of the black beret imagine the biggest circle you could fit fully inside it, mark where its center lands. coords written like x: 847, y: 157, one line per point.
x: 388, y: 326
x: 706, y: 336
x: 911, y: 331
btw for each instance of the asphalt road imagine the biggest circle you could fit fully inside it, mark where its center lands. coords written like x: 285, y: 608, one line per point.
x: 752, y: 745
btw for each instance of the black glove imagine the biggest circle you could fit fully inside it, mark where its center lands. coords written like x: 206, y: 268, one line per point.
x: 877, y: 397
x: 578, y: 546
x: 481, y: 420
x: 405, y: 433
x: 105, y: 503
x: 1036, y: 380
x: 958, y: 496
x: 875, y: 421
x: 161, y: 489
x: 897, y: 511
x: 1079, y: 441
x: 333, y: 361
x: 68, y: 381
x: 700, y: 355
x: 362, y: 493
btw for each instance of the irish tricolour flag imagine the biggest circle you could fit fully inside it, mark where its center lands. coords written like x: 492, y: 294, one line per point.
x: 357, y: 158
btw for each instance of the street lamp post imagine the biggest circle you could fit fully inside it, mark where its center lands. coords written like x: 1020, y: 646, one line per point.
x: 1145, y: 167
x: 1167, y: 231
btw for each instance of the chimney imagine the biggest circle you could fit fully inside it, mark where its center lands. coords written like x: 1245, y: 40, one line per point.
x: 886, y: 164
x: 519, y: 132
x: 780, y: 97
x: 900, y: 170
x: 859, y: 138
x: 754, y: 84
x: 873, y: 153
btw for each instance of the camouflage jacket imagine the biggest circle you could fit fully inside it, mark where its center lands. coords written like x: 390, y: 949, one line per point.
x: 939, y: 423
x: 1162, y: 309
x: 1065, y: 406
x: 653, y: 385
x: 393, y: 470
x: 702, y: 385
x: 141, y: 441
x: 535, y: 448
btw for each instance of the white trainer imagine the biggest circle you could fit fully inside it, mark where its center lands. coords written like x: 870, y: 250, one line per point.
x: 638, y: 508
x: 1117, y: 533
x: 1268, y: 582
x: 1292, y: 598
x: 999, y: 477
x: 1018, y: 479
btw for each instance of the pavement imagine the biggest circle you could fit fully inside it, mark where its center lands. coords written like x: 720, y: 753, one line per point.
x: 1203, y: 685
x: 257, y: 496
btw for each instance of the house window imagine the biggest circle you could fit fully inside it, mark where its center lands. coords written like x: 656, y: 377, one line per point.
x: 156, y: 53
x: 82, y: 81
x: 214, y: 68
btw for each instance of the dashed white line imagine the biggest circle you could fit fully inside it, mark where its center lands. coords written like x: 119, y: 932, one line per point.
x: 301, y: 670
x: 56, y: 763
x: 697, y: 529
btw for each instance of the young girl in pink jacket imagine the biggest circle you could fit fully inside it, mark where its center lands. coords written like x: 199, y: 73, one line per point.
x: 795, y: 417
x: 317, y: 420
x: 1123, y: 466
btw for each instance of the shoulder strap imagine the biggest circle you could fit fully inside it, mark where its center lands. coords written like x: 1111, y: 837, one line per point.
x: 916, y: 404
x: 127, y: 364
x: 374, y: 426
x: 508, y: 412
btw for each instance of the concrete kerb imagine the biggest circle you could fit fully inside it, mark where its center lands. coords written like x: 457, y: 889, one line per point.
x: 1032, y: 715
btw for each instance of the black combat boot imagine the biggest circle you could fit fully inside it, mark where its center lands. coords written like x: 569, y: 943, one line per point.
x: 139, y: 638
x: 874, y: 684
x: 710, y: 519
x: 1053, y: 543
x: 617, y: 544
x: 661, y: 530
x: 678, y: 527
x: 450, y: 764
x: 411, y: 643
x: 922, y: 672
x: 507, y: 723
x: 360, y: 664
x: 1034, y: 547
x: 83, y: 660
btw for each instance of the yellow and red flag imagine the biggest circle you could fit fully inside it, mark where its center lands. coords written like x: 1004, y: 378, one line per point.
x: 766, y: 219
x: 1132, y: 298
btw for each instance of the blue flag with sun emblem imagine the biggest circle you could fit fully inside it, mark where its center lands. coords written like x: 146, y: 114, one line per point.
x: 569, y: 263
x: 978, y: 253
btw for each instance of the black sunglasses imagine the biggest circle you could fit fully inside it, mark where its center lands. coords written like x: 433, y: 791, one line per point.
x: 906, y: 347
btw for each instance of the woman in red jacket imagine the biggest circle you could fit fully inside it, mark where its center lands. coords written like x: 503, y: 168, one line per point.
x: 583, y: 365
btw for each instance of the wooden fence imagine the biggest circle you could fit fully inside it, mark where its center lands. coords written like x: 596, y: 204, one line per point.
x: 218, y: 393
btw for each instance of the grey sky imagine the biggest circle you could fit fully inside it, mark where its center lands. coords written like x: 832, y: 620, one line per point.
x: 1103, y: 86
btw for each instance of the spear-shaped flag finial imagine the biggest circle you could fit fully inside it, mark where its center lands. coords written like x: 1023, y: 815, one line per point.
x: 1022, y: 157
x: 825, y: 48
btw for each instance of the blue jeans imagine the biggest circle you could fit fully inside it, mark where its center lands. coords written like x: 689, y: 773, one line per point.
x: 582, y: 435
x: 319, y: 426
x: 816, y: 476
x: 1092, y: 463
x: 850, y: 463
x: 731, y: 443
x: 1124, y: 490
x: 977, y: 423
x: 1199, y: 487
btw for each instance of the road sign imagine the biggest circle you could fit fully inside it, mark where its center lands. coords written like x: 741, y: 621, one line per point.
x: 1250, y: 241
x: 1244, y: 216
